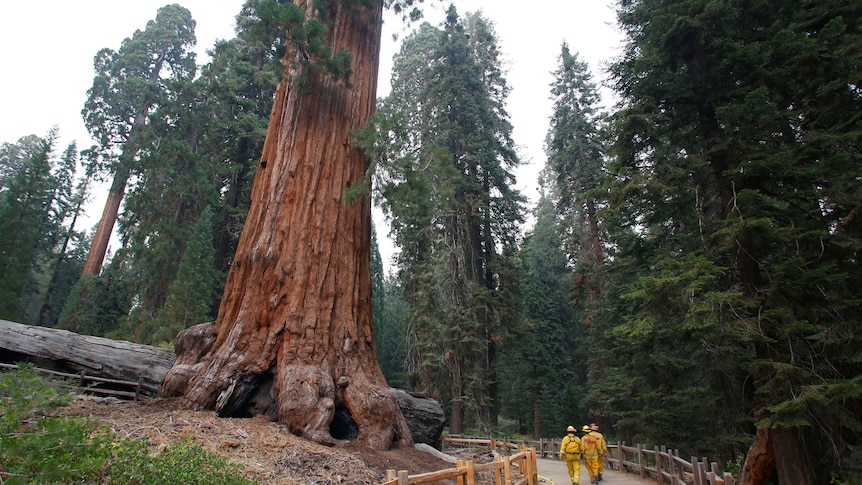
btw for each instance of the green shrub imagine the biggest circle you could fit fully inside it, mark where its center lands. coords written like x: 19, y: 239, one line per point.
x: 37, y: 448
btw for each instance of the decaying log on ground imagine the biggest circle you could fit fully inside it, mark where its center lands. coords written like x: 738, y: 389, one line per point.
x: 97, y: 356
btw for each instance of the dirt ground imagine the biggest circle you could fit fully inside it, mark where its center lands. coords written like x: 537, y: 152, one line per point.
x: 266, y: 449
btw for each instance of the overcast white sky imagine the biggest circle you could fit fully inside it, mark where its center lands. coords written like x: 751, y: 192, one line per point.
x: 48, y: 48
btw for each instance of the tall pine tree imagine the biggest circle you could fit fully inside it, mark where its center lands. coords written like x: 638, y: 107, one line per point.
x: 448, y: 154
x: 25, y: 204
x: 733, y: 202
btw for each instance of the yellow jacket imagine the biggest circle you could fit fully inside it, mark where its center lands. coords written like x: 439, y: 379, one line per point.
x: 590, y: 445
x: 603, y: 445
x: 571, y: 445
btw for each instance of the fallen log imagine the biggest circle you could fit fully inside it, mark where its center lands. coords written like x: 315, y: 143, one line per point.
x: 69, y: 351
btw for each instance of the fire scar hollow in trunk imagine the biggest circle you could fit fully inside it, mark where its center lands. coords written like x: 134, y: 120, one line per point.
x: 294, y: 338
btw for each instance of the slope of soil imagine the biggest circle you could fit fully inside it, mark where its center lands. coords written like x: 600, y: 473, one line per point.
x: 267, y: 450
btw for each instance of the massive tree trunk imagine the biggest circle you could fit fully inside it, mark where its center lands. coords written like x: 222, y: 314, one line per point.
x: 294, y: 338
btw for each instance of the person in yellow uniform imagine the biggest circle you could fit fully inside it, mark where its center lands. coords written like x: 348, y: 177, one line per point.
x: 590, y: 450
x: 570, y: 450
x: 603, y: 449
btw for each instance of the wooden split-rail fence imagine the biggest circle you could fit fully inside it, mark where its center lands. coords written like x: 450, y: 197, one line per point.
x: 93, y: 384
x: 515, y: 464
x: 666, y: 466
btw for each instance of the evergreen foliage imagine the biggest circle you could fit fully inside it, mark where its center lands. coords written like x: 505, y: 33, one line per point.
x: 146, y: 73
x: 131, y: 81
x: 199, y: 149
x: 239, y: 84
x: 36, y: 207
x: 444, y: 144
x: 98, y: 305
x: 694, y: 284
x: 733, y: 204
x: 24, y: 207
x: 576, y: 150
x: 544, y: 358
x: 174, y: 186
x: 191, y: 293
x: 391, y: 316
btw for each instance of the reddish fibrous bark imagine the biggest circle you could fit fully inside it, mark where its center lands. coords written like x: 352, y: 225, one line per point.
x: 760, y: 460
x: 294, y: 335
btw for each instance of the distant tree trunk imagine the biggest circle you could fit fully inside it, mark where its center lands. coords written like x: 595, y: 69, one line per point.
x: 294, y: 335
x: 99, y: 248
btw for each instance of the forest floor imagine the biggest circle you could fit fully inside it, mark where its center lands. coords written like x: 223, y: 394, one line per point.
x: 266, y: 449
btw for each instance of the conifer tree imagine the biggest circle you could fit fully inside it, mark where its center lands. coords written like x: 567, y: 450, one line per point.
x: 25, y: 204
x: 544, y: 359
x: 59, y: 251
x: 199, y: 150
x: 390, y: 321
x: 294, y: 330
x: 128, y: 85
x: 735, y: 209
x: 576, y: 150
x: 448, y: 152
x: 240, y: 83
x: 190, y: 295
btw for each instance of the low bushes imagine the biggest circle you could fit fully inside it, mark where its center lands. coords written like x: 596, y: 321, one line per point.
x: 36, y: 447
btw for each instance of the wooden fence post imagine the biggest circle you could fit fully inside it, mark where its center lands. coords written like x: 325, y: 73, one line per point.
x: 403, y: 477
x: 507, y: 471
x: 658, y: 475
x: 623, y: 467
x: 694, y: 471
x: 641, y: 459
x: 532, y: 467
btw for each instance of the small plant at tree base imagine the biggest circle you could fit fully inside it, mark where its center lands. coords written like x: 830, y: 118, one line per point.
x: 37, y: 448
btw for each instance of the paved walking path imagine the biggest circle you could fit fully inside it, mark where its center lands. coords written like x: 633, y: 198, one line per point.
x: 555, y: 470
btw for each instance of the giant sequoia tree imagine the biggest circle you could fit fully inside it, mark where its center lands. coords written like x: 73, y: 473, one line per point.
x: 128, y: 85
x: 293, y: 336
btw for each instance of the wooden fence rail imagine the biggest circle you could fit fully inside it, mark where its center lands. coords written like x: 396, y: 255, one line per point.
x: 140, y: 387
x: 518, y: 468
x: 666, y: 466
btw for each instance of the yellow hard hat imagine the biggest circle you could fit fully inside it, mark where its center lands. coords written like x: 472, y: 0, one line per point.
x: 570, y: 429
x: 587, y: 428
